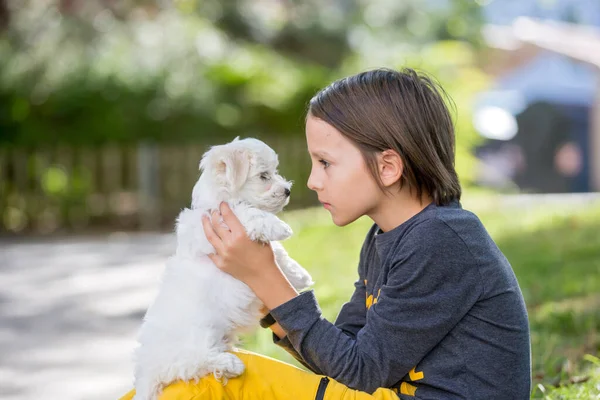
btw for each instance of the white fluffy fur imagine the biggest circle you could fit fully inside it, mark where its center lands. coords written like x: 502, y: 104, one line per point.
x: 192, y: 325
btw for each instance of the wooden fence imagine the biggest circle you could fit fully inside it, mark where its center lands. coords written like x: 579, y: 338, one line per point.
x: 138, y: 187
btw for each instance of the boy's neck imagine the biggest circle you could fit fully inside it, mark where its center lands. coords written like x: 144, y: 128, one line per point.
x: 395, y: 209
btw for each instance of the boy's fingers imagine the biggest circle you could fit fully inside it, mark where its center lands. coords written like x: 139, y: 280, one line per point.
x: 234, y: 224
x: 212, y: 236
x: 218, y: 225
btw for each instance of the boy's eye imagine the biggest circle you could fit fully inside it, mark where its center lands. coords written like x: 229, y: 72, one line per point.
x: 325, y: 163
x: 264, y: 176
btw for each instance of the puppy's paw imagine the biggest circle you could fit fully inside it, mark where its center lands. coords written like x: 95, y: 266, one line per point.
x: 227, y: 365
x: 280, y: 231
x: 271, y: 233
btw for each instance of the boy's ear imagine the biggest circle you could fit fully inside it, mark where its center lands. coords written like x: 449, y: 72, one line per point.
x: 390, y: 167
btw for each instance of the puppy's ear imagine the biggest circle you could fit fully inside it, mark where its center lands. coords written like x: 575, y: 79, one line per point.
x: 228, y: 164
x: 237, y: 167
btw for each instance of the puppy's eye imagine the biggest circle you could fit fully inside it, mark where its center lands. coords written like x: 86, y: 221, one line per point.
x: 265, y: 176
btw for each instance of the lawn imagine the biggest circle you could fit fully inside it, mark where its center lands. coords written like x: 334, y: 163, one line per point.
x: 554, y: 251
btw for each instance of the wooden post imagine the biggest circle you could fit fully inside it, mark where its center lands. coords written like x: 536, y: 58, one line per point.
x: 148, y: 181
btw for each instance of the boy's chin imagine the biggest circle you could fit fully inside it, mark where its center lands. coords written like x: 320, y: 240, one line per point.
x: 341, y: 220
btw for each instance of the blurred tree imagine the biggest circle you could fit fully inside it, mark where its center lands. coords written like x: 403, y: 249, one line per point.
x: 91, y: 71
x: 4, y: 15
x: 322, y: 32
x: 94, y: 72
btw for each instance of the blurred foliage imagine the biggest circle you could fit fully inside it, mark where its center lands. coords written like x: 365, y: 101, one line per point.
x: 97, y: 72
x: 83, y: 72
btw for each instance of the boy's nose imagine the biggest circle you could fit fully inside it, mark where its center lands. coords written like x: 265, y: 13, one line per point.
x: 315, y: 180
x: 311, y: 183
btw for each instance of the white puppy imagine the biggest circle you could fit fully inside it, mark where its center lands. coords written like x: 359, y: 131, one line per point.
x: 192, y: 325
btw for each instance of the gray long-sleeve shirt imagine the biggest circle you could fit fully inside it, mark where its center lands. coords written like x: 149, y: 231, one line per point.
x: 437, y: 313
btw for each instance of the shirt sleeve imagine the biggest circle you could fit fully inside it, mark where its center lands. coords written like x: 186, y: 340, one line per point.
x: 287, y: 346
x: 353, y: 315
x: 429, y: 288
x: 350, y: 320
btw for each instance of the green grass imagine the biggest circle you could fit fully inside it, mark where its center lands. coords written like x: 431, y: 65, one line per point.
x: 554, y: 251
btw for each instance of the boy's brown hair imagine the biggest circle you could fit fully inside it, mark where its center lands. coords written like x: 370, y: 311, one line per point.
x: 400, y: 110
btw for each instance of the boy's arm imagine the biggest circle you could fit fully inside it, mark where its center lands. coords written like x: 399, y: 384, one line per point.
x: 428, y: 290
x: 353, y: 315
x: 285, y: 344
x: 280, y: 339
x: 350, y: 320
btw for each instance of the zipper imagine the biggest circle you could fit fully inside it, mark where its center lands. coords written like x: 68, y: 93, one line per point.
x: 321, y: 389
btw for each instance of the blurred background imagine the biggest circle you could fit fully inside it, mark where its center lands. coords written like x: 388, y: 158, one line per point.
x: 106, y: 107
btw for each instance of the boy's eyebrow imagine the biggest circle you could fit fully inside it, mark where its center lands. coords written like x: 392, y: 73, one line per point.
x: 320, y: 153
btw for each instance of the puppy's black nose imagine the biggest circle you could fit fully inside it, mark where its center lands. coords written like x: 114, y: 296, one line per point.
x: 287, y: 192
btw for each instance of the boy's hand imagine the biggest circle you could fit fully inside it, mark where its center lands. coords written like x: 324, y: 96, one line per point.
x: 235, y: 253
x: 251, y: 262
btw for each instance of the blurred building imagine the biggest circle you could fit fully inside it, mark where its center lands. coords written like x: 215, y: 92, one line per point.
x: 542, y: 117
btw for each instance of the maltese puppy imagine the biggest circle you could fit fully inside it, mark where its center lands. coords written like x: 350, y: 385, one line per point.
x: 193, y: 324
